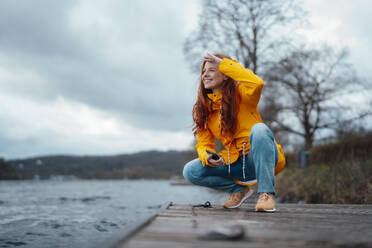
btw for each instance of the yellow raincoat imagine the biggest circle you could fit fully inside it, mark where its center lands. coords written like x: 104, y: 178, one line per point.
x: 249, y: 89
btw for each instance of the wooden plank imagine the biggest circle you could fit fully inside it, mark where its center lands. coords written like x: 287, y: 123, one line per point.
x: 293, y: 225
x: 123, y: 235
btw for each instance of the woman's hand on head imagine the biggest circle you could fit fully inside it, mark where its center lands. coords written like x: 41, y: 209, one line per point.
x: 218, y: 162
x: 212, y: 59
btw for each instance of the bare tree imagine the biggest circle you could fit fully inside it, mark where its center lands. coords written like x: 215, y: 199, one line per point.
x: 305, y: 91
x: 316, y: 89
x: 255, y: 32
x: 244, y: 29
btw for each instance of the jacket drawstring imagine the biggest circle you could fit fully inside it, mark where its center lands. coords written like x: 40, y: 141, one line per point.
x: 229, y: 163
x: 219, y: 117
x: 228, y: 150
x: 244, y: 160
x: 219, y: 126
x: 228, y: 157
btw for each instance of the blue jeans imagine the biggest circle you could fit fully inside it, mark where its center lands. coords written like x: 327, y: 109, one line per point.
x: 259, y: 165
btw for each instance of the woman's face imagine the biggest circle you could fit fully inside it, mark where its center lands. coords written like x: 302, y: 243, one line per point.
x: 212, y: 78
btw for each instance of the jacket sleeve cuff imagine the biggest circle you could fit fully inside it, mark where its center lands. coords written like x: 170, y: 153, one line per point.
x: 203, y: 156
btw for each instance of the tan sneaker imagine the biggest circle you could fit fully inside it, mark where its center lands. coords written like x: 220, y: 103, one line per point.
x: 236, y: 199
x: 265, y: 203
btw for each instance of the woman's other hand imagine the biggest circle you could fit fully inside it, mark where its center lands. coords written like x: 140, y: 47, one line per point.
x: 212, y: 59
x: 218, y: 162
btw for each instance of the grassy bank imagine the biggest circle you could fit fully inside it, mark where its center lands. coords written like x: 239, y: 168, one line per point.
x: 338, y: 173
x: 346, y: 182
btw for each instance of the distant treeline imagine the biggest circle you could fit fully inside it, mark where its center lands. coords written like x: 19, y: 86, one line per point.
x: 151, y: 164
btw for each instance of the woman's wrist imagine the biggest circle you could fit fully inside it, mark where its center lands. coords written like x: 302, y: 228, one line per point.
x: 212, y: 59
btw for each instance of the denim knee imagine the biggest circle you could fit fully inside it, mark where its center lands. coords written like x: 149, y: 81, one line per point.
x: 186, y: 171
x: 191, y: 171
x: 261, y: 130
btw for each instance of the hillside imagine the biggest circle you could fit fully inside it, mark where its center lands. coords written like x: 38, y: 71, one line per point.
x: 151, y: 164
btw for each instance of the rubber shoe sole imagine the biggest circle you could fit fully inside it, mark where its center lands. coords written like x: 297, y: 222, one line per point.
x: 250, y: 192
x: 266, y: 210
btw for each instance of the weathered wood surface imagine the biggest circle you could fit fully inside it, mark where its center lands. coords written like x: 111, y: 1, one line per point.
x: 293, y: 225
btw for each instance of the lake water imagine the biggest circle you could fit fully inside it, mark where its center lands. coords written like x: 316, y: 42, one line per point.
x: 82, y: 213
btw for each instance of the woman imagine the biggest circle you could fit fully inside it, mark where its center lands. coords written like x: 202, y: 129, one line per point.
x: 226, y: 109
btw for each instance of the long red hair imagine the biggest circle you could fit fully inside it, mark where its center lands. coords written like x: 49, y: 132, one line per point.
x: 229, y: 104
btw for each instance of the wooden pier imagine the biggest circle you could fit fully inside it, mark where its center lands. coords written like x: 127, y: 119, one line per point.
x: 293, y: 225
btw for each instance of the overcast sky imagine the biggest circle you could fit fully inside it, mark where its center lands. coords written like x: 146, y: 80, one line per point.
x: 109, y: 77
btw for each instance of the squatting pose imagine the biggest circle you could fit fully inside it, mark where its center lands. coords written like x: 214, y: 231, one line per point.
x: 226, y: 109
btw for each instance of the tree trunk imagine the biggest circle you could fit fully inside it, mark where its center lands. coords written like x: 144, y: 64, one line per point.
x: 308, y: 141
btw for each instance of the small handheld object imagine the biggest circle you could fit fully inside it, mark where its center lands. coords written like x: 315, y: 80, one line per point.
x: 215, y: 156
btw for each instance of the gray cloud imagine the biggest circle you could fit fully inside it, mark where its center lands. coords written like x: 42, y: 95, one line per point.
x: 126, y: 60
x: 121, y: 59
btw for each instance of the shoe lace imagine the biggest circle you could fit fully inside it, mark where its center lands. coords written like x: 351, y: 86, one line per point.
x: 264, y: 197
x: 231, y: 196
x: 238, y: 196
